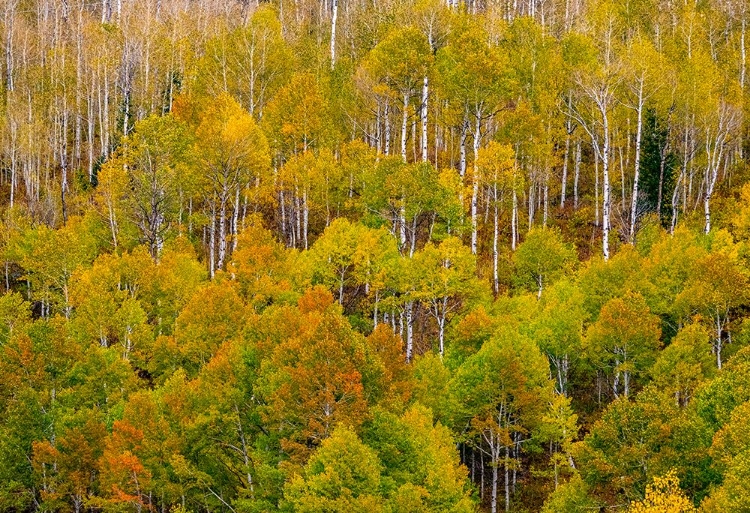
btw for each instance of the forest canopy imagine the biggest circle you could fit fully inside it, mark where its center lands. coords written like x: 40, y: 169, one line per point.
x: 383, y: 256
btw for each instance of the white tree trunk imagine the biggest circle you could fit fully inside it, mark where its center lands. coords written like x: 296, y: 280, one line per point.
x: 402, y: 223
x: 222, y: 232
x: 334, y: 17
x: 577, y: 175
x: 475, y: 184
x: 564, y: 181
x: 605, y: 185
x: 718, y: 341
x: 409, y: 330
x: 743, y: 55
x: 212, y: 242
x: 495, y: 472
x: 462, y: 149
x: 636, y: 176
x: 236, y: 218
x: 425, y: 95
x: 305, y: 216
x: 566, y: 156
x: 495, y: 235
x: 514, y: 221
x: 404, y: 119
x: 727, y: 122
x: 387, y: 121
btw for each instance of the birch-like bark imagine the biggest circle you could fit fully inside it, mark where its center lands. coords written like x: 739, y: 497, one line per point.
x: 636, y: 175
x: 566, y: 158
x: 726, y: 123
x: 423, y: 110
x: 605, y: 182
x: 64, y: 164
x: 305, y: 216
x: 475, y: 183
x: 577, y: 175
x: 10, y: 10
x: 386, y: 120
x: 597, y: 222
x: 514, y: 221
x: 13, y: 160
x: 462, y: 148
x: 507, y: 478
x: 212, y: 241
x: 441, y: 316
x: 334, y: 18
x: 546, y: 199
x: 409, y: 330
x: 222, y: 231
x: 718, y: 344
x: 495, y: 236
x: 404, y: 120
x: 596, y: 125
x: 236, y: 217
x: 495, y: 471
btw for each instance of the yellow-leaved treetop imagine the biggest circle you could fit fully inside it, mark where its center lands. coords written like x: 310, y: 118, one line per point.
x: 664, y: 496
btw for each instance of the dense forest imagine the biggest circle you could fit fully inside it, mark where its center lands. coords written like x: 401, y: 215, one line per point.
x: 382, y: 256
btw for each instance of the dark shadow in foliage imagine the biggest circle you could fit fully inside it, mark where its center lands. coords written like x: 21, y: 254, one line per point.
x: 658, y: 163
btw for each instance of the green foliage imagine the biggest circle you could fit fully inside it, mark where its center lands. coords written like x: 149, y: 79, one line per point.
x: 241, y: 275
x: 541, y: 259
x: 343, y: 475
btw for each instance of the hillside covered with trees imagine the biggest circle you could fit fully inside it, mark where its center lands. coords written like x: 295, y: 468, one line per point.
x: 383, y: 256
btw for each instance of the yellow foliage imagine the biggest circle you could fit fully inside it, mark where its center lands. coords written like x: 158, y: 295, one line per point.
x: 664, y: 496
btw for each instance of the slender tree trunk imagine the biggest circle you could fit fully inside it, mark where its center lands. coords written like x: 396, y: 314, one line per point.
x: 90, y: 137
x: 606, y: 206
x: 402, y: 223
x: 566, y: 155
x: 64, y: 165
x: 495, y: 236
x: 462, y: 148
x: 636, y: 176
x: 334, y: 18
x: 425, y: 95
x: 514, y: 221
x: 743, y: 55
x: 387, y: 121
x: 597, y: 222
x: 305, y: 216
x: 576, y: 175
x: 714, y: 156
x: 507, y: 479
x: 409, y: 331
x: 707, y: 213
x: 282, y: 208
x: 222, y: 231
x: 475, y: 183
x: 546, y: 199
x: 564, y: 181
x: 495, y: 472
x: 10, y: 10
x: 675, y: 202
x: 626, y: 383
x: 718, y: 341
x: 404, y: 120
x: 212, y: 240
x: 13, y: 162
x: 79, y: 90
x: 236, y: 218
